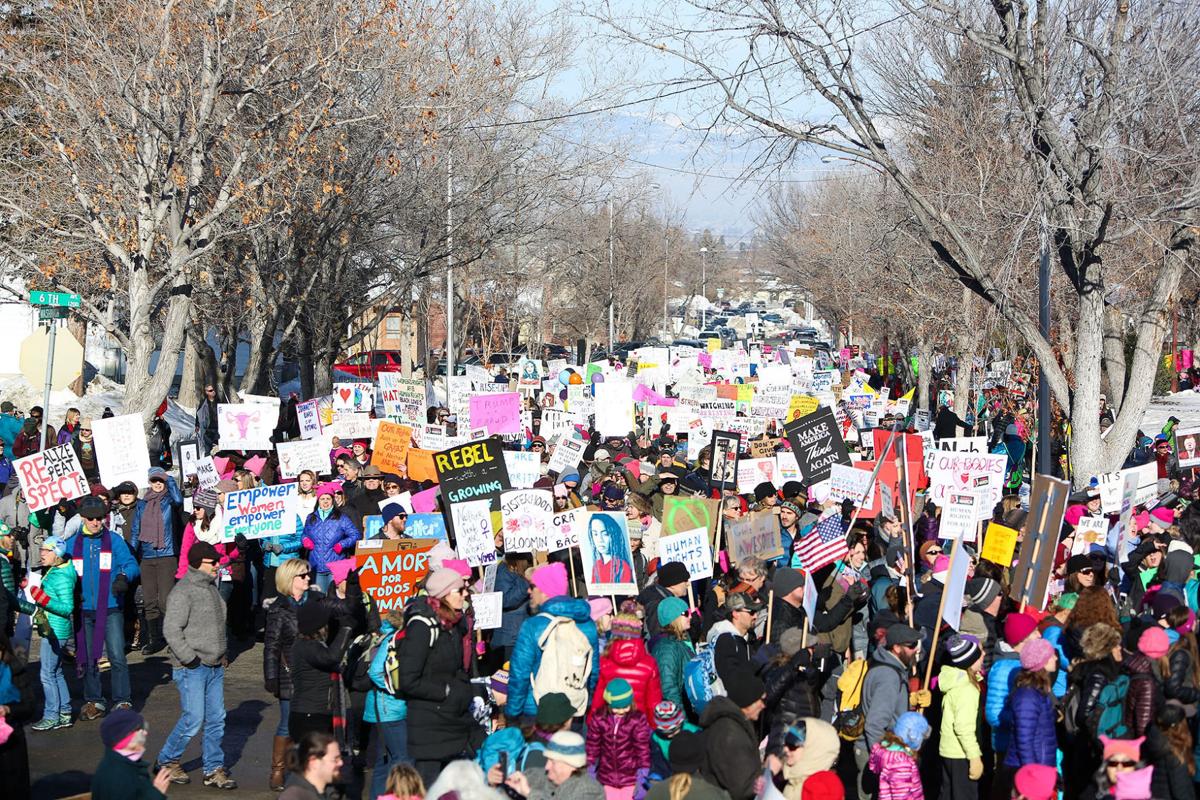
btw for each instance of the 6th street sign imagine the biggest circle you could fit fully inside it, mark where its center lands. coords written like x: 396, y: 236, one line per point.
x: 54, y: 299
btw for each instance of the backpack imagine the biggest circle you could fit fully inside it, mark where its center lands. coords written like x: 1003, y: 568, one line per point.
x: 700, y: 680
x: 566, y: 664
x: 356, y: 663
x: 391, y: 662
x: 1111, y: 714
x: 850, y: 721
x: 1070, y: 708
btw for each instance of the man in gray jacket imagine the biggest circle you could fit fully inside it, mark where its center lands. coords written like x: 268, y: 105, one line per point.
x: 194, y: 627
x: 885, y: 693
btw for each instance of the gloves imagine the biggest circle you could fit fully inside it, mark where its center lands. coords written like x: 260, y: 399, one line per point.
x: 120, y: 585
x: 921, y: 698
x: 307, y: 543
x: 39, y: 596
x: 241, y: 542
x: 275, y: 548
x: 857, y: 591
x: 195, y: 662
x: 847, y: 508
x: 337, y: 548
x: 975, y: 768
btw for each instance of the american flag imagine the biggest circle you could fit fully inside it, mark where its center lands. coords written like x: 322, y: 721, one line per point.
x: 824, y: 544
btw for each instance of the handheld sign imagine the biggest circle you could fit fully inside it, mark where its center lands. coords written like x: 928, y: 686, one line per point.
x: 262, y: 511
x: 390, y: 570
x: 817, y: 442
x: 472, y: 471
x: 51, y: 475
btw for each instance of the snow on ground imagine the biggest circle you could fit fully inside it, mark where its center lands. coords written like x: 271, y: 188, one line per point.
x: 1183, y: 405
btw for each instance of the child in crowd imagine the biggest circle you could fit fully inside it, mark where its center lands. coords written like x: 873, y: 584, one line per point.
x: 618, y: 742
x: 894, y: 759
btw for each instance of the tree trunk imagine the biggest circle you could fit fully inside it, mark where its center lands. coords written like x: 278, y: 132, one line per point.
x: 145, y: 389
x: 925, y: 353
x: 304, y: 359
x: 78, y: 327
x: 1087, y: 448
x: 1114, y: 355
x: 322, y: 374
x: 195, y: 370
x: 256, y: 379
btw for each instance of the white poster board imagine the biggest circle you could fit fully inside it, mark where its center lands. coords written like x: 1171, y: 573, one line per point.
x: 121, y: 450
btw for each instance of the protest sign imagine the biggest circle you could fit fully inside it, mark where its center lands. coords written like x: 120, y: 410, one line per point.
x: 756, y: 534
x: 1110, y: 485
x: 359, y: 397
x: 121, y: 450
x: 887, y: 503
x: 614, y: 407
x: 1187, y: 447
x: 473, y: 531
x: 524, y: 469
x: 685, y: 513
x: 956, y: 584
x: 261, y: 511
x: 348, y: 425
x: 850, y: 483
x: 526, y: 516
x: 691, y: 548
x: 49, y: 476
x: 1031, y: 578
x: 786, y: 467
x: 801, y: 405
x: 426, y: 526
x: 390, y: 570
x: 245, y: 426
x: 605, y: 554
x: 999, y: 545
x: 301, y: 454
x: 390, y: 450
x: 566, y: 527
x: 753, y: 471
x: 189, y: 454
x: 403, y: 398
x: 566, y: 455
x: 817, y: 444
x: 425, y: 502
x: 960, y: 444
x: 309, y: 416
x: 471, y: 471
x: 958, y: 518
x: 763, y: 448
x: 498, y: 413
x: 724, y: 459
x: 206, y: 472
x: 488, y: 608
x: 372, y: 526
x: 421, y: 466
x: 1125, y: 519
x: 955, y: 473
x: 1090, y: 531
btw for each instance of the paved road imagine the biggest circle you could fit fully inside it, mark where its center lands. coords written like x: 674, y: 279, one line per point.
x: 62, y: 761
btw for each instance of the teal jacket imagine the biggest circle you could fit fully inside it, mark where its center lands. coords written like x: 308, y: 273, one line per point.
x: 118, y: 778
x: 672, y: 656
x: 381, y: 706
x: 59, y: 584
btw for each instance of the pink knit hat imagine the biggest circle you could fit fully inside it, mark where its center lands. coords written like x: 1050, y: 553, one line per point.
x: 1153, y: 643
x: 1036, y: 654
x: 443, y: 581
x: 1074, y: 514
x: 551, y: 579
x: 458, y: 565
x: 1163, y: 516
x: 600, y: 606
x: 1131, y: 748
x: 1037, y: 782
x: 328, y: 488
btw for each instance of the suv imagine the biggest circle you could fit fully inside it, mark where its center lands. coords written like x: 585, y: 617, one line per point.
x: 369, y: 363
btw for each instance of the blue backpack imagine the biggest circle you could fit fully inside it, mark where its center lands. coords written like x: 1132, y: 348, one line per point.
x: 700, y: 680
x: 1112, y: 719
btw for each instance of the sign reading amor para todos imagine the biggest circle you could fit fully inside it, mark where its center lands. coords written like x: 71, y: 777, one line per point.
x: 389, y: 570
x: 262, y: 511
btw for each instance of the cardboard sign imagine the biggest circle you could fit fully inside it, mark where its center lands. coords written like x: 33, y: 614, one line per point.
x: 403, y: 398
x: 51, y: 475
x: 1031, y: 579
x: 566, y: 455
x: 358, y: 397
x: 566, y: 527
x: 390, y: 450
x: 763, y: 448
x: 121, y: 450
x: 489, y: 610
x: 999, y: 544
x: 390, y: 570
x: 245, y: 426
x: 309, y: 415
x: 206, y: 472
x: 262, y: 511
x: 724, y: 464
x: 471, y: 471
x: 850, y: 483
x: 614, y: 407
x: 958, y: 518
x: 498, y: 413
x: 756, y: 534
x: 421, y: 465
x: 690, y: 548
x: 816, y: 441
x: 524, y: 469
x: 526, y: 516
x: 607, y: 559
x: 473, y: 532
x: 685, y: 513
x: 302, y: 454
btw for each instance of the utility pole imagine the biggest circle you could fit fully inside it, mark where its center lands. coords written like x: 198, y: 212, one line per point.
x: 666, y: 258
x: 611, y: 279
x: 1043, y: 395
x: 449, y: 269
x: 704, y: 287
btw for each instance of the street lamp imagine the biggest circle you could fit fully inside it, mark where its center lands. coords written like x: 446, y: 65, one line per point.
x: 611, y: 278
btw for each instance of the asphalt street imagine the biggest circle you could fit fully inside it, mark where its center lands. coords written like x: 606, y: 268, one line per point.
x: 62, y: 761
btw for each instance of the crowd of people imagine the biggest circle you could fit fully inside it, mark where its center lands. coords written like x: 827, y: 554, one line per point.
x: 770, y: 677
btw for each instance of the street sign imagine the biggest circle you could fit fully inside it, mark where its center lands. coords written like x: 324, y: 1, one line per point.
x: 54, y: 299
x: 54, y: 312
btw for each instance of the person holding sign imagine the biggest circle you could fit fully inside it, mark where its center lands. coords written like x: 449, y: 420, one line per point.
x: 154, y: 536
x: 328, y: 532
x: 613, y: 562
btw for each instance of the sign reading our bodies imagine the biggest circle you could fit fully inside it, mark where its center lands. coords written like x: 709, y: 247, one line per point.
x: 52, y: 475
x: 390, y: 570
x: 472, y: 471
x: 262, y: 511
x: 817, y: 442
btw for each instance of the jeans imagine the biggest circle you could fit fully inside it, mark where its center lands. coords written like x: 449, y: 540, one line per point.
x: 285, y: 708
x: 202, y: 696
x: 114, y: 645
x: 323, y: 579
x: 54, y: 683
x: 391, y: 749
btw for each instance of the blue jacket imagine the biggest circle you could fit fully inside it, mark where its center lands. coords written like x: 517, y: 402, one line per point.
x: 10, y: 426
x: 381, y: 706
x: 1000, y: 680
x: 1053, y: 635
x: 291, y: 544
x: 514, y: 599
x: 1031, y: 715
x: 527, y: 656
x: 785, y: 539
x: 325, y: 533
x: 171, y: 506
x: 123, y: 563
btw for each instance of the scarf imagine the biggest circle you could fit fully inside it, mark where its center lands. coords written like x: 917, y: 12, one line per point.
x: 9, y: 693
x: 152, y: 519
x: 215, y: 526
x: 87, y: 656
x: 324, y: 513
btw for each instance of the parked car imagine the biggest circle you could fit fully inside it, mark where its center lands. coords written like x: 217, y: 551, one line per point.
x: 369, y: 363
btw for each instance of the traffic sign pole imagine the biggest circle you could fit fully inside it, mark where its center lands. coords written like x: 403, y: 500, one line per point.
x: 46, y: 390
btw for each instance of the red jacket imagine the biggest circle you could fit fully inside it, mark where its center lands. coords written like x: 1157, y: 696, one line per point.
x: 628, y: 659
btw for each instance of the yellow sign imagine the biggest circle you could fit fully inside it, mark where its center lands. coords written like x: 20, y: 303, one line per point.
x: 1000, y: 544
x: 801, y: 405
x: 745, y: 393
x: 714, y: 345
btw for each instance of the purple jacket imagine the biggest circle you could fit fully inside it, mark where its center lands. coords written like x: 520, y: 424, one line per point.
x: 619, y: 747
x: 899, y: 776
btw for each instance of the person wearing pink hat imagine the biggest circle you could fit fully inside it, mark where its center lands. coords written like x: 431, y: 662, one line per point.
x: 1016, y: 630
x: 1035, y: 782
x: 328, y: 533
x: 1031, y: 708
x: 551, y: 605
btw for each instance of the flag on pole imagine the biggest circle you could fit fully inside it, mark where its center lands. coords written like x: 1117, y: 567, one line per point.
x: 825, y: 544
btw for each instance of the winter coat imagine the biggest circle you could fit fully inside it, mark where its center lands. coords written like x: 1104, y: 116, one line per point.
x: 1031, y: 716
x: 118, y: 778
x: 820, y: 753
x: 59, y: 584
x: 227, y: 552
x: 16, y: 515
x: 171, y: 506
x: 731, y: 651
x: 194, y: 625
x: 434, y: 681
x: 884, y: 694
x: 836, y: 603
x: 672, y: 655
x: 1145, y: 692
x: 1091, y: 677
x: 700, y: 790
x: 829, y: 620
x: 576, y: 787
x: 792, y: 693
x: 527, y: 655
x: 899, y: 775
x: 289, y: 547
x: 618, y: 747
x: 514, y: 602
x: 86, y: 452
x: 649, y: 598
x: 65, y: 434
x: 731, y: 749
x: 960, y: 714
x: 381, y: 706
x: 280, y: 633
x: 1179, y: 683
x: 330, y: 537
x: 1000, y: 680
x: 10, y: 426
x: 628, y: 659
x: 123, y: 563
x: 313, y: 662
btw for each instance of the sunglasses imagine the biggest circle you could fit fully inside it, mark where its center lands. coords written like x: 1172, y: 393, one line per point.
x: 1120, y: 764
x: 307, y: 576
x: 934, y: 552
x: 538, y: 447
x: 1087, y: 571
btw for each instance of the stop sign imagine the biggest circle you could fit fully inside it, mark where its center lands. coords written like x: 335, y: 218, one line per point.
x: 68, y: 358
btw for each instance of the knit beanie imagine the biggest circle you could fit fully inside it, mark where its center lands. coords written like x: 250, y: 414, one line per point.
x: 745, y: 689
x: 626, y: 626
x: 567, y: 747
x: 1163, y: 516
x: 669, y: 610
x: 443, y: 581
x: 686, y: 753
x: 311, y: 617
x: 911, y: 728
x: 1018, y: 627
x: 201, y: 551
x: 673, y: 573
x: 763, y: 491
x: 551, y: 579
x: 1153, y: 642
x: 1036, y: 654
x: 668, y: 718
x: 962, y: 652
x: 1130, y: 748
x: 1037, y: 782
x: 618, y: 693
x: 941, y: 569
x: 499, y: 686
x: 791, y: 641
x: 118, y: 726
x: 599, y: 607
x: 553, y: 710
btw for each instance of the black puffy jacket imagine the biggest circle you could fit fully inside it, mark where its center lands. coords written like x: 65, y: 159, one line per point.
x: 1092, y: 677
x: 793, y: 691
x: 313, y: 662
x: 280, y: 633
x: 1180, y: 683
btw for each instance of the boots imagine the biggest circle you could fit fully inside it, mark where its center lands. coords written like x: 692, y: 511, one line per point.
x: 141, y: 631
x: 156, y: 642
x: 278, y: 753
